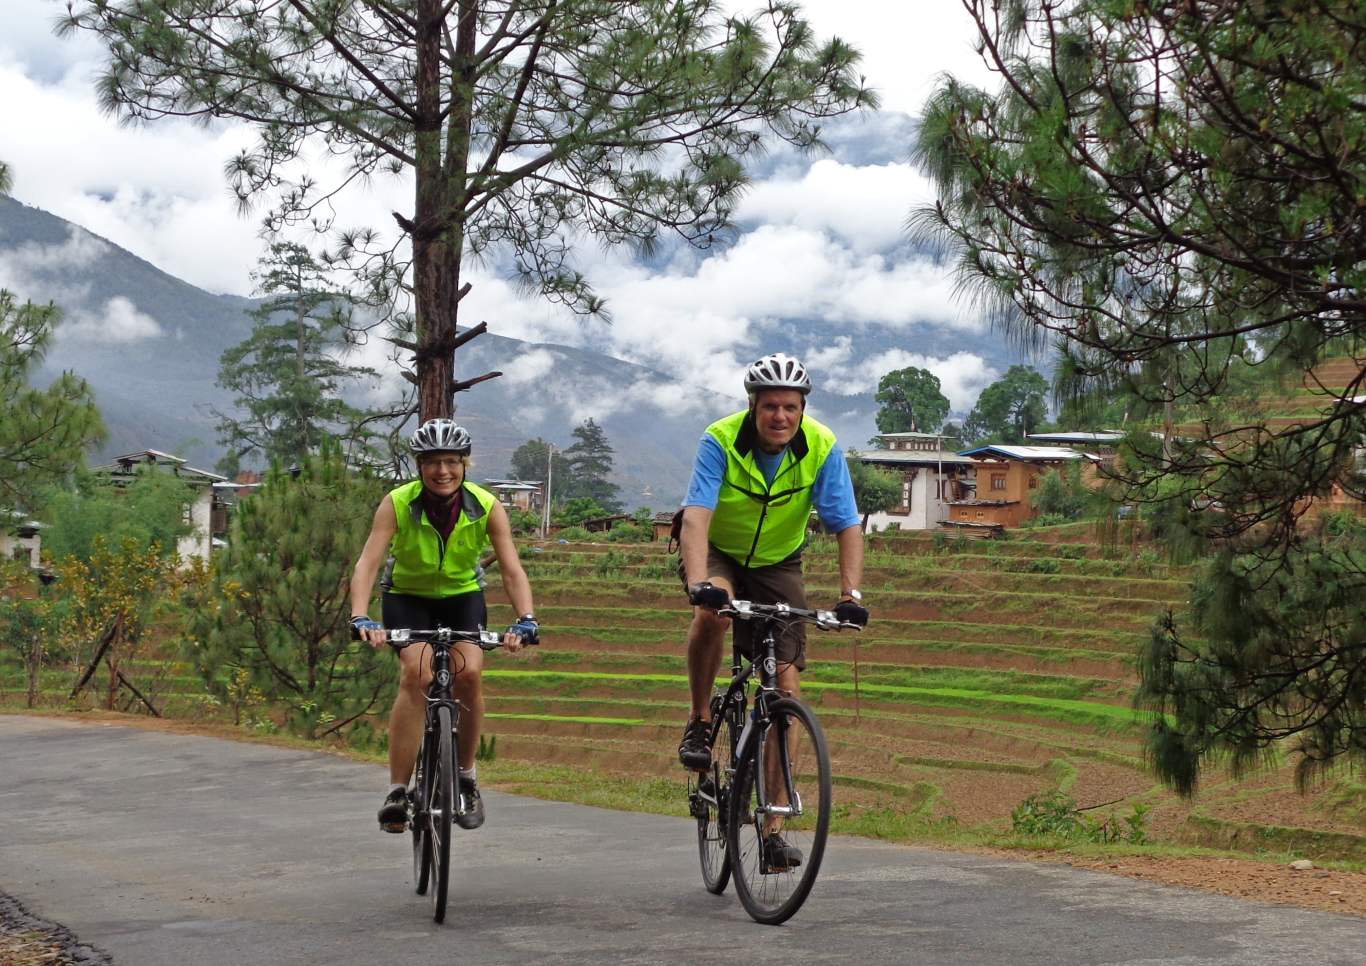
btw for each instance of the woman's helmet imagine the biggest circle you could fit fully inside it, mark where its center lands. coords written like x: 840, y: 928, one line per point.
x: 440, y: 435
x: 777, y: 371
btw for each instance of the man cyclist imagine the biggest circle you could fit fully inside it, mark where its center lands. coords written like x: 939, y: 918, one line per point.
x: 757, y: 475
x: 433, y: 530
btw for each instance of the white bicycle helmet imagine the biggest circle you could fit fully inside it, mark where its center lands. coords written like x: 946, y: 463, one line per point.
x: 777, y: 371
x: 440, y: 435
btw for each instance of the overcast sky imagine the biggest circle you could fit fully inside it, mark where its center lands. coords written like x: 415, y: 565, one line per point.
x: 821, y: 238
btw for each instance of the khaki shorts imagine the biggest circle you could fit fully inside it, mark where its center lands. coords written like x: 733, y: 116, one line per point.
x: 779, y: 583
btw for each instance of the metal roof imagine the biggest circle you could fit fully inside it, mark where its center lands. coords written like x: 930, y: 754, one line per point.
x: 1107, y: 436
x: 1026, y: 453
x: 917, y: 456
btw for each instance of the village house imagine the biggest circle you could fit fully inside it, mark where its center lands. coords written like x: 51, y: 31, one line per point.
x: 932, y: 477
x: 199, y: 513
x: 1007, y: 477
x: 518, y: 494
x: 22, y: 540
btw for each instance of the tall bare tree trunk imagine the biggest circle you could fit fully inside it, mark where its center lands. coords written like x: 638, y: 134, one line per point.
x: 35, y: 667
x: 440, y: 195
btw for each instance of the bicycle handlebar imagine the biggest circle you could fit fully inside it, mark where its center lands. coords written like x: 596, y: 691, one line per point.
x: 824, y: 619
x: 403, y: 636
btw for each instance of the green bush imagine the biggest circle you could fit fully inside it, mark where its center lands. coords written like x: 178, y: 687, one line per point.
x: 630, y: 533
x: 1055, y: 815
x: 575, y: 535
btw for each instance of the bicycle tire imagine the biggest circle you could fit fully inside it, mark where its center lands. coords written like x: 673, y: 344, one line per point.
x: 443, y: 776
x: 712, y: 819
x: 420, y: 794
x: 771, y: 896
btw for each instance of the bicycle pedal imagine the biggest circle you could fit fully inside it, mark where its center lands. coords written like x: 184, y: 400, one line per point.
x: 397, y: 828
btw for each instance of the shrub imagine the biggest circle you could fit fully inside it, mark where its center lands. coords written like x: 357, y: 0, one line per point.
x: 1055, y: 815
x: 630, y: 533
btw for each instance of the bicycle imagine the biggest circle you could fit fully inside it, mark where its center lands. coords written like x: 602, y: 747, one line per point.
x: 770, y: 772
x: 434, y: 803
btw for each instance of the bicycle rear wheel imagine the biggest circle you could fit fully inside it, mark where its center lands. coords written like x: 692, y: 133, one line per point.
x: 420, y: 795
x: 711, y: 805
x: 791, y: 755
x: 442, y: 783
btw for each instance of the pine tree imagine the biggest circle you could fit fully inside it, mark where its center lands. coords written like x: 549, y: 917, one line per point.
x: 590, y: 464
x: 289, y: 375
x: 1172, y: 192
x: 44, y: 433
x: 276, y: 615
x: 523, y: 123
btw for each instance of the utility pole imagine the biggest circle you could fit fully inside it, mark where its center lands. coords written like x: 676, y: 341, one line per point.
x: 549, y: 473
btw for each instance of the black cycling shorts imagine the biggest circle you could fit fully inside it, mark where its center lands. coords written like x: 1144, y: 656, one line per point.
x: 463, y: 612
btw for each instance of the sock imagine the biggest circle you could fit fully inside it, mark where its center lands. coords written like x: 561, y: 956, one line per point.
x: 467, y: 774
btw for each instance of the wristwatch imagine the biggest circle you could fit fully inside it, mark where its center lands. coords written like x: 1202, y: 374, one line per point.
x: 853, y: 595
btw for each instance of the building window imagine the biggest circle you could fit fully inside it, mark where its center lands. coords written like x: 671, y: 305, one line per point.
x: 1033, y: 482
x: 998, y: 481
x: 980, y: 514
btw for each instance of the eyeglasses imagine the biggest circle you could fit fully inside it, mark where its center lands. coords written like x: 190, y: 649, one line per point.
x: 446, y: 463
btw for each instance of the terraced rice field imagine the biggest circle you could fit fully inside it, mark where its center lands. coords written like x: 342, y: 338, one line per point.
x: 991, y: 671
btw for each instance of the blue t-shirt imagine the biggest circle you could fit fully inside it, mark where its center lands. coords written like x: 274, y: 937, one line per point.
x: 832, y: 494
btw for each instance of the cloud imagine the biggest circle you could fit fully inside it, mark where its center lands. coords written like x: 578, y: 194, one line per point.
x: 905, y: 46
x: 531, y: 367
x: 120, y: 321
x: 864, y: 206
x: 46, y: 273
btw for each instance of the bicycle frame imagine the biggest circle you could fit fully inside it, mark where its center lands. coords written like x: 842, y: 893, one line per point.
x: 742, y: 670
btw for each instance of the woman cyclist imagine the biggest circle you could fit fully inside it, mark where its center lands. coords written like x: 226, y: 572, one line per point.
x: 433, y: 530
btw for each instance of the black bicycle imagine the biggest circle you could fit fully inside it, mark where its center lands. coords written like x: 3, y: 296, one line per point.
x: 763, y: 809
x: 433, y: 793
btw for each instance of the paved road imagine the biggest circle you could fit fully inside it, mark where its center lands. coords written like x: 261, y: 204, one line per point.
x: 167, y: 849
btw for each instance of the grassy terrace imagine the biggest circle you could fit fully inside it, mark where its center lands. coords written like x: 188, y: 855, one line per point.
x: 991, y: 671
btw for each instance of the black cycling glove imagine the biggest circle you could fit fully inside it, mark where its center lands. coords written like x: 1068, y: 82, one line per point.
x: 852, y: 612
x: 706, y: 594
x: 527, y: 629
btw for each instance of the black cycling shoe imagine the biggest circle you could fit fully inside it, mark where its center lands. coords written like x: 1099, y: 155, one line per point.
x: 473, y: 814
x: 393, y: 814
x: 692, y: 750
x: 780, y: 856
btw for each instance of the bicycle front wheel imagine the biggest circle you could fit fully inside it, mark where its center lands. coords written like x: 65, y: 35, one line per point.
x: 780, y: 814
x: 421, y: 798
x: 442, y: 783
x: 711, y: 806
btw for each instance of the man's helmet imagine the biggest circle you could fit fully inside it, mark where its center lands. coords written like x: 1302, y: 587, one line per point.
x: 777, y: 371
x: 440, y: 435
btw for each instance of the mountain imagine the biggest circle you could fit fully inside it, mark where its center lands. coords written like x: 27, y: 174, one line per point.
x: 149, y: 345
